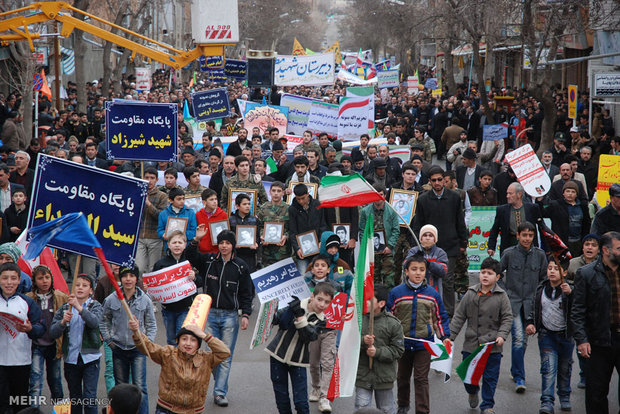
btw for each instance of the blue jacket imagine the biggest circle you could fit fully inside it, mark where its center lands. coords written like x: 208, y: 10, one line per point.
x: 190, y: 231
x: 421, y: 313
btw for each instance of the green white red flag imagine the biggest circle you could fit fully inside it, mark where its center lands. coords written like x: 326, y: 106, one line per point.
x: 472, y: 367
x: 345, y: 371
x: 441, y: 355
x: 346, y: 191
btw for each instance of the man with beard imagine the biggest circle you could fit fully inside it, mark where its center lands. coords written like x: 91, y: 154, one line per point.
x: 595, y: 320
x: 566, y: 174
x: 235, y: 148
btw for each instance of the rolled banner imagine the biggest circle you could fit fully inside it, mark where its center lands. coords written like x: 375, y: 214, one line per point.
x: 199, y: 311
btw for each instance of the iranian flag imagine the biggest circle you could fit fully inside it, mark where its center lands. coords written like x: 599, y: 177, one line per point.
x: 346, y: 191
x: 441, y: 356
x: 472, y: 367
x: 345, y: 371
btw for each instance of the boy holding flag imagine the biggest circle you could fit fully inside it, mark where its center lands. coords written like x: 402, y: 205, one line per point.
x: 486, y: 308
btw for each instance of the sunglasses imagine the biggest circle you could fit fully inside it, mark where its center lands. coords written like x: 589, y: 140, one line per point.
x: 433, y: 180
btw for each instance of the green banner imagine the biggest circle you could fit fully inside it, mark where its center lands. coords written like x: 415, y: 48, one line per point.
x: 479, y: 228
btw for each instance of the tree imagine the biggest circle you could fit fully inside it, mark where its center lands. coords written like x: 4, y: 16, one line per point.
x: 79, y: 49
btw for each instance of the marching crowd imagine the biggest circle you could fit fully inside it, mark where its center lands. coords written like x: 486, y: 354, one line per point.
x: 422, y: 289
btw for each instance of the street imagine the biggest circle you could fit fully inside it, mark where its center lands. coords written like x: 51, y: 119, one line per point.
x: 250, y: 387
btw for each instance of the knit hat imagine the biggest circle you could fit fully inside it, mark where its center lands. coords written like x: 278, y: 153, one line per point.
x: 332, y: 240
x: 591, y: 236
x: 347, y: 158
x: 570, y: 184
x: 614, y: 190
x: 277, y: 146
x: 12, y: 250
x: 429, y: 228
x: 337, y: 144
x: 227, y: 235
x: 185, y: 331
x: 88, y: 277
x: 469, y: 153
x: 132, y: 270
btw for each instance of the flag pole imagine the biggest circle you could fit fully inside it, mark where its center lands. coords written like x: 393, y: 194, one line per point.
x: 371, y: 326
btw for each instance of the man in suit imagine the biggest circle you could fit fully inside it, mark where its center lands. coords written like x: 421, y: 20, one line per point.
x: 7, y: 188
x: 468, y: 174
x: 91, y: 159
x: 509, y: 216
x: 566, y: 174
x: 547, y: 162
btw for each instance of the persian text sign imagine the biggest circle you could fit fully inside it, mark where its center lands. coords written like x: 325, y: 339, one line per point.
x: 323, y: 117
x: 262, y: 329
x: 141, y: 131
x: 494, y: 132
x: 170, y: 284
x: 112, y: 204
x: 236, y: 69
x: 143, y: 79
x: 280, y: 280
x: 265, y: 116
x: 304, y: 70
x: 529, y: 171
x: 353, y: 118
x: 211, y: 104
x: 388, y: 79
x: 479, y: 227
x: 608, y: 174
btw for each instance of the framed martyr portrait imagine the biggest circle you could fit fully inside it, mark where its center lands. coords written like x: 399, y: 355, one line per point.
x: 313, y: 190
x: 234, y: 192
x: 216, y: 227
x: 404, y: 202
x: 308, y: 243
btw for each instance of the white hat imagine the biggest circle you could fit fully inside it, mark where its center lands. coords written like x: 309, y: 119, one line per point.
x: 429, y: 228
x: 574, y: 129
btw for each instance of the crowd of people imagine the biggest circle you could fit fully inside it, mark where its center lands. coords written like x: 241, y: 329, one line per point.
x: 422, y: 283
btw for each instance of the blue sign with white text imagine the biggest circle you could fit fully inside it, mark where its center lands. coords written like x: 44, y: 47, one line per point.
x: 112, y: 204
x: 236, y: 69
x: 141, y: 131
x: 211, y: 104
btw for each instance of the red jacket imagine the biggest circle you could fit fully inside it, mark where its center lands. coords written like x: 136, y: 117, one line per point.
x: 205, y: 245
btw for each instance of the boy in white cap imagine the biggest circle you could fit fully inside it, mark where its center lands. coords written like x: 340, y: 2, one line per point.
x: 436, y: 256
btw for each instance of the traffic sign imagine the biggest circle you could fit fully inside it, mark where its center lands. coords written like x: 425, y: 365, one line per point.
x: 572, y: 101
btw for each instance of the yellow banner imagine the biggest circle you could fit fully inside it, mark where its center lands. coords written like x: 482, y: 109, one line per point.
x: 336, y: 49
x: 298, y: 49
x: 436, y: 93
x: 608, y: 174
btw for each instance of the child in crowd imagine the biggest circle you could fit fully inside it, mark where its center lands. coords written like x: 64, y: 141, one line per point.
x: 243, y: 217
x: 486, y: 308
x: 209, y: 214
x: 385, y: 347
x: 549, y: 318
x: 422, y: 315
x: 275, y: 211
x: 436, y: 257
x: 16, y: 355
x: 77, y: 321
x: 126, y: 358
x: 525, y: 266
x: 17, y: 214
x: 176, y: 209
x: 185, y: 369
x: 46, y: 352
x: 323, y: 351
x: 299, y: 324
x: 174, y: 313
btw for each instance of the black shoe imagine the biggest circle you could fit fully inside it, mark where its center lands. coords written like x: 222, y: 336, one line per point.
x: 221, y: 401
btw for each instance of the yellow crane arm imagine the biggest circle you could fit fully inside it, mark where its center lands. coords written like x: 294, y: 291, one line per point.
x: 60, y: 11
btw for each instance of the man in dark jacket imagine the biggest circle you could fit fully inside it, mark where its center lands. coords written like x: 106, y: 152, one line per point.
x: 595, y: 320
x: 608, y: 218
x: 441, y: 207
x: 468, y: 174
x: 304, y: 216
x: 509, y: 216
x: 227, y: 280
x: 240, y: 144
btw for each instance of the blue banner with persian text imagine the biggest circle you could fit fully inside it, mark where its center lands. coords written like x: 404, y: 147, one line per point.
x: 236, y: 69
x: 141, y: 131
x: 112, y: 204
x: 211, y: 104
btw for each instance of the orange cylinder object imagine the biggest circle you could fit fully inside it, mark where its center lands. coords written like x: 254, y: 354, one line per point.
x: 199, y: 311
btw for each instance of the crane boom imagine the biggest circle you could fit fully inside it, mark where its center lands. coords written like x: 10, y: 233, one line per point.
x: 16, y: 24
